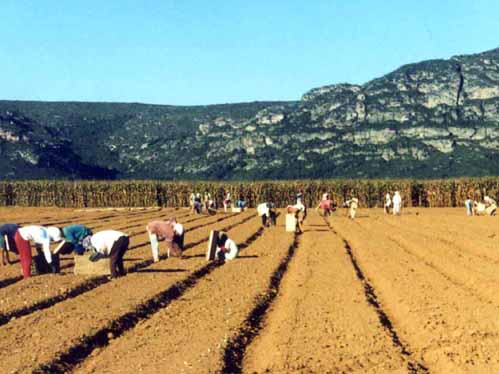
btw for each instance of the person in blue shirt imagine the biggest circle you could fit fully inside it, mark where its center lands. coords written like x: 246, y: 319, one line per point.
x: 73, y: 237
x: 7, y: 241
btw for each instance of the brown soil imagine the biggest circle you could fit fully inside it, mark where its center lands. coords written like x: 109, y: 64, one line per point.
x: 381, y: 294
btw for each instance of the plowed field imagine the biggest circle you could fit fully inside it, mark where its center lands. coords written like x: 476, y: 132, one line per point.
x: 381, y: 294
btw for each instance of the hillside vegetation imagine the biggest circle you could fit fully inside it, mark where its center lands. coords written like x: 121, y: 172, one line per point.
x: 432, y: 119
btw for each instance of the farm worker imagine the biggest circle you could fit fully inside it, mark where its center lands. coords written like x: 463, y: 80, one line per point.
x: 300, y: 212
x: 468, y: 203
x: 112, y: 244
x: 40, y: 236
x: 479, y: 209
x: 197, y: 203
x: 73, y: 237
x: 227, y: 202
x: 226, y: 248
x: 299, y: 197
x: 388, y: 203
x: 326, y: 204
x: 353, y: 204
x: 491, y: 205
x: 7, y: 241
x: 171, y: 232
x: 397, y: 203
x: 209, y: 204
x: 268, y: 214
x: 192, y: 197
x: 241, y: 203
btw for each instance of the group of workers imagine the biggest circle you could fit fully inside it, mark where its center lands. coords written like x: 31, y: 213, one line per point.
x: 198, y: 204
x: 475, y: 208
x: 73, y: 238
x: 112, y: 244
x: 79, y: 239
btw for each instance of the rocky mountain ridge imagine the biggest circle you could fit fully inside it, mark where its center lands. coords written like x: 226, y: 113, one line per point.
x: 431, y: 119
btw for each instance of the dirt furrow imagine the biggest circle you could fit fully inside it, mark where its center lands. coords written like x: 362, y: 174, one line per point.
x: 98, y: 318
x: 193, y: 333
x: 448, y: 329
x: 322, y: 321
x: 42, y: 292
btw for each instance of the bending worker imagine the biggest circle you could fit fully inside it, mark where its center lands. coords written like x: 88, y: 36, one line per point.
x: 7, y: 240
x: 226, y: 248
x: 112, y: 244
x: 268, y: 214
x: 169, y: 231
x: 73, y: 237
x: 41, y: 237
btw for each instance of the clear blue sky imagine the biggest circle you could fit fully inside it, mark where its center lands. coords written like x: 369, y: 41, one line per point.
x: 205, y: 52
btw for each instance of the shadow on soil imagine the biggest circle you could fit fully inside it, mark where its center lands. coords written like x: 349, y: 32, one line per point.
x: 413, y: 366
x: 236, y: 347
x: 75, y: 355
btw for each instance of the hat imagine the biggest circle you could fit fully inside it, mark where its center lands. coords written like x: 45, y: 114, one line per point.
x: 86, y: 243
x: 54, y: 233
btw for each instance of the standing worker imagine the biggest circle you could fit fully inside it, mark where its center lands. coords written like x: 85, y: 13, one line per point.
x: 227, y: 202
x: 397, y: 203
x: 41, y: 237
x: 353, y: 205
x: 468, y: 203
x: 7, y: 240
x: 112, y: 244
x: 388, y: 203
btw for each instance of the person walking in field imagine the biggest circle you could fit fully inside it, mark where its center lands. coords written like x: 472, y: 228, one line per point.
x: 7, y: 240
x: 397, y: 203
x: 352, y: 205
x: 112, y: 244
x: 169, y: 231
x: 41, y: 237
x: 226, y: 249
x: 388, y: 203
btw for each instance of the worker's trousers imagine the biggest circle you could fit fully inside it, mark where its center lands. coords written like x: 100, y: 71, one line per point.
x: 24, y: 249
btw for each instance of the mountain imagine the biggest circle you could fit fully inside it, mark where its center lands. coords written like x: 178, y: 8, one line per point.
x: 431, y: 119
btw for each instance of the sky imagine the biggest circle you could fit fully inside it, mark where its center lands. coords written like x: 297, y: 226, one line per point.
x: 197, y: 52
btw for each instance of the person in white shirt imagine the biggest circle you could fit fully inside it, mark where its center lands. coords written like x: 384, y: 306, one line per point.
x: 112, y: 244
x: 353, y: 205
x: 41, y: 237
x: 226, y: 248
x: 397, y: 203
x: 300, y: 212
x: 388, y: 203
x: 268, y: 214
x: 227, y: 202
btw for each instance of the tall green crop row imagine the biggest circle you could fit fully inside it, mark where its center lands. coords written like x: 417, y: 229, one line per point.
x: 371, y: 193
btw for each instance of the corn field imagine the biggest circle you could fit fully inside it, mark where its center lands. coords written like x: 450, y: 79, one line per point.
x: 80, y: 194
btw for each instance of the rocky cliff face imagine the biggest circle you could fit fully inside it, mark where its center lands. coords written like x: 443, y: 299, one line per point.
x: 430, y: 119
